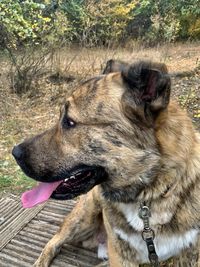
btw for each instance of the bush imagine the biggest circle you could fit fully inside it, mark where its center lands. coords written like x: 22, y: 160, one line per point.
x: 97, y: 22
x: 194, y: 29
x: 26, y: 69
x: 24, y: 20
x: 167, y: 21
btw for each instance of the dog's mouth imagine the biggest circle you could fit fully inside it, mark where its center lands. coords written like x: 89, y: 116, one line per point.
x: 79, y: 181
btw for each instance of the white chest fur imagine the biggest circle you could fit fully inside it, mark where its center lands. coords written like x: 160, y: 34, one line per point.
x: 130, y: 212
x: 166, y: 245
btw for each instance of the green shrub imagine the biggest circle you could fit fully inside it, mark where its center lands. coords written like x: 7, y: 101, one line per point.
x: 24, y: 20
x: 96, y: 22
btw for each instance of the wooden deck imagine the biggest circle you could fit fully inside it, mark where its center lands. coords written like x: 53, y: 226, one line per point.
x: 24, y: 232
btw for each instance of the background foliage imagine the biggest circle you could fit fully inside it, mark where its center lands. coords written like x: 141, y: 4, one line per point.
x: 98, y: 22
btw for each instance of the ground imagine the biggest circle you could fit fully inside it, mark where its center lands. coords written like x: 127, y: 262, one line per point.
x: 27, y: 114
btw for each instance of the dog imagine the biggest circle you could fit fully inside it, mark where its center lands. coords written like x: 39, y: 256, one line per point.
x: 133, y: 157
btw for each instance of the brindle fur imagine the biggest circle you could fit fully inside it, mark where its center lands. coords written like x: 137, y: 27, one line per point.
x: 149, y: 148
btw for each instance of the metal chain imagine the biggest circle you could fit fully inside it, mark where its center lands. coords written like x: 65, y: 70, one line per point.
x: 148, y: 234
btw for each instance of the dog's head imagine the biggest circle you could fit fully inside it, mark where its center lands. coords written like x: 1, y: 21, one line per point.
x: 105, y: 135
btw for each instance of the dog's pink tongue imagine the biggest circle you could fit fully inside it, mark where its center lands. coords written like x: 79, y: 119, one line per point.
x: 38, y: 194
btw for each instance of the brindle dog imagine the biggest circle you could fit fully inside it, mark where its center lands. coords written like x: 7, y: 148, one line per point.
x: 121, y: 140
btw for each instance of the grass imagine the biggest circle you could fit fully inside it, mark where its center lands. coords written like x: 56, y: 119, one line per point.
x: 12, y: 179
x: 15, y: 181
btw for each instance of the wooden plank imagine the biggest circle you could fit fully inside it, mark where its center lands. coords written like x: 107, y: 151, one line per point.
x: 30, y: 230
x: 16, y: 220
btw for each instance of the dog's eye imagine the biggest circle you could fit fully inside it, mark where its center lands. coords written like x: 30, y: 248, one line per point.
x: 68, y: 123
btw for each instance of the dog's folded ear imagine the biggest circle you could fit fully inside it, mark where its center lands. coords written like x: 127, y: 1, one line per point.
x: 115, y: 66
x: 148, y: 90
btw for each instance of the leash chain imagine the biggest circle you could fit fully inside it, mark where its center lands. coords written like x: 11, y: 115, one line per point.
x: 148, y: 234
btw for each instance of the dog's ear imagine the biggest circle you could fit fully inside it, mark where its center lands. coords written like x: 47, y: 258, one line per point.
x: 115, y: 66
x: 148, y: 90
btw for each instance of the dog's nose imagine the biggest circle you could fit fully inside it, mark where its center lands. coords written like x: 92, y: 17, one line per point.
x: 18, y: 152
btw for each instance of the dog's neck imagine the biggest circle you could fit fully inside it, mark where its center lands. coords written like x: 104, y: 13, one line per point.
x: 130, y: 193
x: 169, y: 169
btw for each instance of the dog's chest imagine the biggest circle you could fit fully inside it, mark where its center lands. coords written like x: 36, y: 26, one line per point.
x: 166, y: 245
